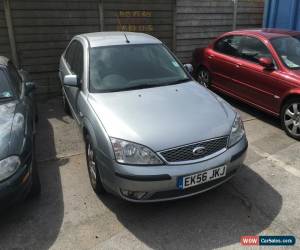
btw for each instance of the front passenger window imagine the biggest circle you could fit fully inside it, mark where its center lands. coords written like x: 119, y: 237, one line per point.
x: 252, y: 49
x: 74, y: 58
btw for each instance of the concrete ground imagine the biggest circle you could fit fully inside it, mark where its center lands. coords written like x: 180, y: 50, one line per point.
x: 262, y: 199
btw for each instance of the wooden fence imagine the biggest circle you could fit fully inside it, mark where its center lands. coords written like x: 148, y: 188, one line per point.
x: 42, y: 29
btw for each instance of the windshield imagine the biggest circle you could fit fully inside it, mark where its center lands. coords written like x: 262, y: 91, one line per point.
x: 288, y: 49
x: 5, y: 89
x: 126, y: 67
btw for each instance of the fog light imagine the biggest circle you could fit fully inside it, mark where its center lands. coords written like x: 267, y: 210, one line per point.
x: 136, y: 195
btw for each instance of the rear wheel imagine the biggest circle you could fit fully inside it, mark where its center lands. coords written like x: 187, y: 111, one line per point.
x: 290, y: 117
x: 203, y: 77
x: 93, y: 171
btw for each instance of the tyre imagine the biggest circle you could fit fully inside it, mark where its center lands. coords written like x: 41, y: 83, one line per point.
x: 36, y: 184
x: 93, y: 170
x: 290, y: 117
x: 203, y: 77
x: 66, y: 105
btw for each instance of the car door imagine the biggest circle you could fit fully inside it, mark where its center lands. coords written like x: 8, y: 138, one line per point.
x: 72, y: 63
x: 256, y: 83
x: 222, y: 60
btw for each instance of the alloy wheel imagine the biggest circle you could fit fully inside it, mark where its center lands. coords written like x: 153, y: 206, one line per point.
x: 292, y: 119
x: 92, y: 166
x: 203, y: 77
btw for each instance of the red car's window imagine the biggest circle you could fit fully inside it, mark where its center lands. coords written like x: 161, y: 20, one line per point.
x: 288, y: 50
x: 228, y: 45
x: 252, y: 49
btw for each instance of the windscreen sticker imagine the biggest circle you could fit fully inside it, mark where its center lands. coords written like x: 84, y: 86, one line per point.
x: 6, y: 94
x: 175, y: 64
x: 289, y: 63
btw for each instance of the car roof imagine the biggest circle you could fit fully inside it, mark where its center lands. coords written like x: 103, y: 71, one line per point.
x: 3, y: 61
x: 266, y: 33
x: 99, y: 39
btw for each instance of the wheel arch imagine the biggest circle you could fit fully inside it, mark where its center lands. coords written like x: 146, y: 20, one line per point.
x: 289, y: 96
x: 98, y: 137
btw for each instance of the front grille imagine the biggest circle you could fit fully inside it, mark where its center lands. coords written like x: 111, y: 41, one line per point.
x: 185, y: 153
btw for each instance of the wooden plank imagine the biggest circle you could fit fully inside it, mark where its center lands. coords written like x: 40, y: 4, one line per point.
x: 55, y: 14
x: 55, y: 5
x: 55, y: 21
x: 45, y: 45
x: 154, y: 14
x: 137, y: 6
x: 44, y: 38
x: 41, y: 53
x: 41, y: 30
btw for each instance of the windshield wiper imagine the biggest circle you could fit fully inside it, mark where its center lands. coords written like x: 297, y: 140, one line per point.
x: 5, y: 98
x: 140, y: 86
x: 145, y: 86
x: 175, y: 82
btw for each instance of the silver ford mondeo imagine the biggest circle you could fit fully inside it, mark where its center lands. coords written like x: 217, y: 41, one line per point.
x: 152, y: 133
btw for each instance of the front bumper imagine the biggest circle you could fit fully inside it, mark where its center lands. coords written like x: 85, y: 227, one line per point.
x: 160, y: 182
x: 17, y: 187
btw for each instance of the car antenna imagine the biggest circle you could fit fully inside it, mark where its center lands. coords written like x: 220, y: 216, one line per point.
x: 127, y: 41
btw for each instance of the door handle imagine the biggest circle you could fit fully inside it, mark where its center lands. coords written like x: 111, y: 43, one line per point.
x: 238, y: 65
x: 211, y: 56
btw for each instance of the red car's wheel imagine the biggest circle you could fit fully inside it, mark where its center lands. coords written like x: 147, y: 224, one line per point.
x: 203, y: 77
x: 290, y: 118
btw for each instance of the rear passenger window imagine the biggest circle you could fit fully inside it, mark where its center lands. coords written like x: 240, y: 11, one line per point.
x: 228, y: 45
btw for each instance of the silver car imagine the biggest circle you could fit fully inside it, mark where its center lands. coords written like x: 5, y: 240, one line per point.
x: 152, y: 133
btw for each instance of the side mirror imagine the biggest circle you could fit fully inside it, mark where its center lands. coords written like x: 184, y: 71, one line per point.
x: 29, y: 87
x: 266, y: 62
x: 71, y: 81
x: 189, y: 68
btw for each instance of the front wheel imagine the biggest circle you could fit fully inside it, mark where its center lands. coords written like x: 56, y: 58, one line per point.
x: 290, y: 118
x: 203, y: 77
x: 93, y: 170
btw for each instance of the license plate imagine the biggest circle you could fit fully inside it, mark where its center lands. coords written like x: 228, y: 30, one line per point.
x: 200, y: 178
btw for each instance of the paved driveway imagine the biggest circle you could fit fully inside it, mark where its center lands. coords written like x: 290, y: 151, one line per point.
x: 263, y: 199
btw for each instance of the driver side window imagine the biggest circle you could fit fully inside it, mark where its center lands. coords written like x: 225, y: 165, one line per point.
x: 228, y: 45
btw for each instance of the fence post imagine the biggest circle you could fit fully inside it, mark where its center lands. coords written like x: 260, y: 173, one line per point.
x: 235, y: 9
x: 174, y: 25
x: 11, y: 35
x: 101, y: 15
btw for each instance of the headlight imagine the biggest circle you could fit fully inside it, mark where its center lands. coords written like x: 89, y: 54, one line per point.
x: 9, y: 166
x: 237, y: 131
x: 131, y: 153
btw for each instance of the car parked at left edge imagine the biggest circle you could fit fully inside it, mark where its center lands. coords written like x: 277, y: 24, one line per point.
x: 18, y: 173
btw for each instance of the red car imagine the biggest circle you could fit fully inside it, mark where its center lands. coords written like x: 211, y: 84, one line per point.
x: 259, y: 67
